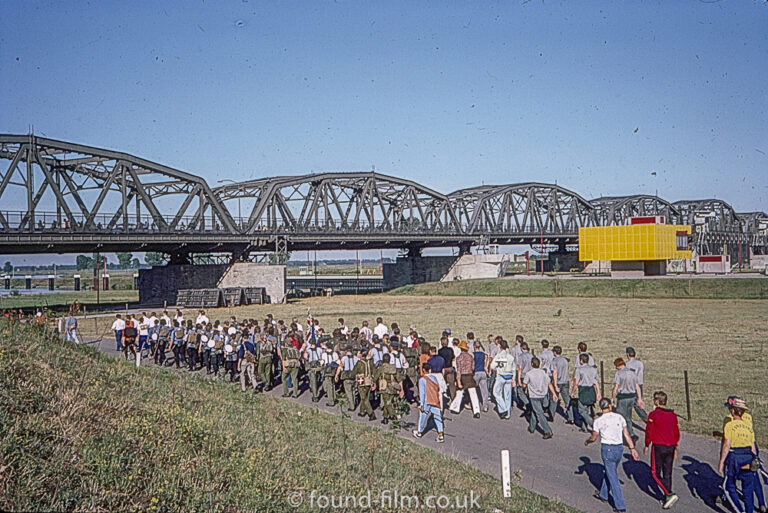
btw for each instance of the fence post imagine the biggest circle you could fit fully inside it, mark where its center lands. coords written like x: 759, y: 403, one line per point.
x: 687, y: 395
x: 602, y: 380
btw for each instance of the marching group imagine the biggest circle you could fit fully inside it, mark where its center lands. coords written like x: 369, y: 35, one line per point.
x: 381, y: 367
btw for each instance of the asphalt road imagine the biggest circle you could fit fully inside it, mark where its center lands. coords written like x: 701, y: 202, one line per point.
x: 561, y: 467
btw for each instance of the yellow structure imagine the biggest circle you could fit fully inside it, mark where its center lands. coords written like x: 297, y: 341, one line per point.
x: 634, y: 242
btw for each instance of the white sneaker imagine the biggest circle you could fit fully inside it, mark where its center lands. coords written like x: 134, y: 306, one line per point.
x: 416, y: 434
x: 669, y: 501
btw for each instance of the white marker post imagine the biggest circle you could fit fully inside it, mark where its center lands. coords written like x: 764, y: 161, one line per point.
x: 505, y: 474
x: 138, y: 358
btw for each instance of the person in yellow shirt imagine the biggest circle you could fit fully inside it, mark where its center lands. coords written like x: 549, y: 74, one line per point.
x: 738, y: 456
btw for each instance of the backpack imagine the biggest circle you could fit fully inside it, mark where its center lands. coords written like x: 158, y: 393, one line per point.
x: 163, y: 332
x: 250, y: 357
x: 178, y: 333
x: 266, y: 350
x: 130, y: 331
x: 388, y: 382
x: 290, y: 355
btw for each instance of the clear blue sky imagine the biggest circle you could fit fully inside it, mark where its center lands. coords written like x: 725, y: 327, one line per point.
x: 593, y: 96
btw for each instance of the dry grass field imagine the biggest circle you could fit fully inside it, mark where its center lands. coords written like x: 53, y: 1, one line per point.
x: 720, y: 342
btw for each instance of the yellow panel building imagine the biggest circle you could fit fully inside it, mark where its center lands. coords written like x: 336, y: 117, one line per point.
x: 651, y: 244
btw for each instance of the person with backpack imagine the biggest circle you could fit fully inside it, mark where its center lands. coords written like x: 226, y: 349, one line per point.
x: 364, y: 371
x: 246, y: 363
x: 163, y: 337
x: 330, y: 365
x: 389, y: 386
x: 313, y: 358
x: 345, y: 374
x: 586, y: 390
x: 231, y: 350
x: 193, y: 341
x: 129, y: 336
x: 217, y: 351
x: 266, y: 352
x: 288, y: 351
x: 177, y: 343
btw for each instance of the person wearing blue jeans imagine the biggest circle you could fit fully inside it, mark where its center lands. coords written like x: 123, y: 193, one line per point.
x: 430, y: 401
x: 504, y: 366
x: 611, y: 428
x: 118, y: 327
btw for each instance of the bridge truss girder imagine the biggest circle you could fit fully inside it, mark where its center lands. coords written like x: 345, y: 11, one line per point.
x: 95, y: 190
x: 348, y: 203
x: 616, y: 210
x: 523, y: 209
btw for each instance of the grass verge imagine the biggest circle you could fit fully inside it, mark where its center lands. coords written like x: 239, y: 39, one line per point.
x: 80, y: 431
x: 677, y: 288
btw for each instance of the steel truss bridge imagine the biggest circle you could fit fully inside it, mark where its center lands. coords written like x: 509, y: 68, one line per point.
x: 61, y: 197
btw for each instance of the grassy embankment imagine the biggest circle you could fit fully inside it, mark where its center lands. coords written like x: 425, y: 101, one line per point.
x: 721, y: 343
x: 679, y: 288
x: 80, y: 431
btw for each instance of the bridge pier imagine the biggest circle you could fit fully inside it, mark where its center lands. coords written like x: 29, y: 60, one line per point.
x: 414, y: 269
x: 179, y: 258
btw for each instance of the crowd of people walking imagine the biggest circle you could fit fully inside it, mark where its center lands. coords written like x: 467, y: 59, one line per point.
x: 385, y: 368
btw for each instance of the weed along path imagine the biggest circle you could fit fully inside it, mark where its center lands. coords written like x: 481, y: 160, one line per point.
x: 561, y: 468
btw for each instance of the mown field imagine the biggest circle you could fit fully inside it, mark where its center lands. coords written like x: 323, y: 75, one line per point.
x: 80, y: 431
x: 677, y: 288
x: 721, y: 343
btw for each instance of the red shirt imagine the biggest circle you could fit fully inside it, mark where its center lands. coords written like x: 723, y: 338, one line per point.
x: 661, y: 428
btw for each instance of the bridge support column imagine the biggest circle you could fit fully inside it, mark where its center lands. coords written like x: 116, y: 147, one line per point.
x: 240, y: 255
x: 415, y: 268
x: 179, y: 259
x: 414, y: 251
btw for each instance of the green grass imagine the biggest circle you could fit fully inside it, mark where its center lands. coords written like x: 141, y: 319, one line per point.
x: 81, y: 431
x: 117, y: 298
x: 679, y: 288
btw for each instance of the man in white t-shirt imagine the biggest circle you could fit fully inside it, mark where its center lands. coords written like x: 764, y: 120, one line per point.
x: 381, y: 329
x: 611, y: 427
x: 366, y: 332
x: 202, y: 318
x: 118, y: 327
x: 343, y: 327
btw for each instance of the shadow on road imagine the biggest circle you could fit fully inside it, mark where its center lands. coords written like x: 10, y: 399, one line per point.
x: 640, y: 473
x: 593, y: 470
x: 703, y: 482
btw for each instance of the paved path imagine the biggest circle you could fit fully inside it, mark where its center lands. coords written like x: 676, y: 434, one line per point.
x: 562, y: 467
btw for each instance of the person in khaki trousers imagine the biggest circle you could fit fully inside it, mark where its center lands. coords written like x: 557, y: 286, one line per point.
x: 246, y: 363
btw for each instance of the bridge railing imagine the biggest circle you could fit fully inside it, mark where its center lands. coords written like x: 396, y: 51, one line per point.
x: 52, y: 222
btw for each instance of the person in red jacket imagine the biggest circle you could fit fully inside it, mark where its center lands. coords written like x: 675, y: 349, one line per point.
x: 662, y: 431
